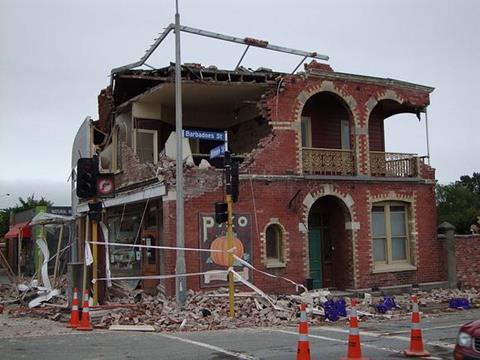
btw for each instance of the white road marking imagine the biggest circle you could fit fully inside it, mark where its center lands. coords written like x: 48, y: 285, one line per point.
x: 387, y: 336
x: 427, y: 329
x: 211, y: 347
x: 345, y: 342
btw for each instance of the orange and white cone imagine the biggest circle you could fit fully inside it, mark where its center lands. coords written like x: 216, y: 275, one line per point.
x: 303, y: 348
x: 75, y: 315
x: 354, y: 349
x: 85, y: 324
x: 416, y: 341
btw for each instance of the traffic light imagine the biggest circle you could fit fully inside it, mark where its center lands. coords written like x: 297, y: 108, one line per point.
x: 221, y: 212
x: 86, y: 177
x: 234, y: 181
x: 95, y: 211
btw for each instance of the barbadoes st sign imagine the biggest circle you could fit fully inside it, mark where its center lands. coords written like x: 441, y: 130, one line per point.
x: 204, y: 135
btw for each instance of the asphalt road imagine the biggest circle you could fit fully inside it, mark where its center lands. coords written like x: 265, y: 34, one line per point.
x: 380, y: 340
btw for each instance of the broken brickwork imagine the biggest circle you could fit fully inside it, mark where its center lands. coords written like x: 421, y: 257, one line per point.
x: 274, y: 186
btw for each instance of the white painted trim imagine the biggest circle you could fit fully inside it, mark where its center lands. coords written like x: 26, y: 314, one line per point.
x: 133, y: 196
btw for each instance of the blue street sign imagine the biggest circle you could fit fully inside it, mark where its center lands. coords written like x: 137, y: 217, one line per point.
x: 204, y: 135
x: 217, y: 151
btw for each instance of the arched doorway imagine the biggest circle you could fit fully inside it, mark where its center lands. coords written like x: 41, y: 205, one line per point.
x: 329, y: 244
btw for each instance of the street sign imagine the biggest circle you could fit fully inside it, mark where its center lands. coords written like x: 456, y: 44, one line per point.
x: 217, y: 151
x: 204, y: 135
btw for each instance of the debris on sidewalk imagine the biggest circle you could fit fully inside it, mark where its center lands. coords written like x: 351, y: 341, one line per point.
x: 134, y: 310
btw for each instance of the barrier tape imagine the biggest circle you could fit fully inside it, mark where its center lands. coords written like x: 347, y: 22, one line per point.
x: 159, y: 247
x: 159, y: 277
x: 240, y: 260
x: 230, y: 251
x: 254, y: 288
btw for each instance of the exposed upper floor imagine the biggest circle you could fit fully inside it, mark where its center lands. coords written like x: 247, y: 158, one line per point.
x: 316, y: 123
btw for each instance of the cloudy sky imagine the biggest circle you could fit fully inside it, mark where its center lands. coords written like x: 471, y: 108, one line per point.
x: 56, y: 55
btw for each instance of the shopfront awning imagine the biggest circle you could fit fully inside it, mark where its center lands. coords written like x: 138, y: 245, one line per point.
x: 22, y: 229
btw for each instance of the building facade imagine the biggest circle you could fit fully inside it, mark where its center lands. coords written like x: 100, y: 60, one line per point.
x: 320, y: 198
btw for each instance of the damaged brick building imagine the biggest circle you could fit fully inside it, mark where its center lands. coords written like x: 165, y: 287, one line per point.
x: 319, y: 197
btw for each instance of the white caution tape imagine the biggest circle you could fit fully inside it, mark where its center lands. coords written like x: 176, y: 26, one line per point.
x: 254, y: 288
x: 158, y: 247
x: 158, y: 277
x: 240, y: 260
x: 88, y: 254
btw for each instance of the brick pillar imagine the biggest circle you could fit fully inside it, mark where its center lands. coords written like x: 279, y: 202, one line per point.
x: 447, y: 231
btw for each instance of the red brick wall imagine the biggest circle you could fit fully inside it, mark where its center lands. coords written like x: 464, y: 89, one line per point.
x: 283, y: 197
x: 278, y: 157
x: 273, y: 200
x: 376, y: 133
x: 467, y: 253
x: 105, y: 108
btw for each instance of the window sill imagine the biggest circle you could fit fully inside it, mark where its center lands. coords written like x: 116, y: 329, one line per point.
x: 272, y: 264
x: 393, y: 268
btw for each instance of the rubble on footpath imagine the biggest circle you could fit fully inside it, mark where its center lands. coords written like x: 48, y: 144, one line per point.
x: 209, y: 310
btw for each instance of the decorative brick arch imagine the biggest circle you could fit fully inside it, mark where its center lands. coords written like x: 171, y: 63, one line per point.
x: 369, y: 106
x: 351, y: 226
x: 374, y: 100
x: 305, y: 95
x: 285, y: 242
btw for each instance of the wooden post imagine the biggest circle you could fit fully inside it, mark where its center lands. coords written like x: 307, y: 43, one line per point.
x: 57, y: 259
x: 231, y: 288
x: 87, y: 235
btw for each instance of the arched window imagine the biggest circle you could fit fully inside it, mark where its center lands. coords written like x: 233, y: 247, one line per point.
x: 274, y: 244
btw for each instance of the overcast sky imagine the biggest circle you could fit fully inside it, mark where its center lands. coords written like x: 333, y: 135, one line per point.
x: 56, y: 55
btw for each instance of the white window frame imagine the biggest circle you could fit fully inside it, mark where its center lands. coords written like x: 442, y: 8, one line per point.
x: 115, y: 149
x: 345, y: 131
x: 389, y: 264
x: 155, y: 142
x: 306, y: 123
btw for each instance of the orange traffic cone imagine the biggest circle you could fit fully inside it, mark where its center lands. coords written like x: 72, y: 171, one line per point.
x: 75, y: 316
x: 303, y: 348
x: 416, y: 342
x: 354, y: 350
x: 85, y: 323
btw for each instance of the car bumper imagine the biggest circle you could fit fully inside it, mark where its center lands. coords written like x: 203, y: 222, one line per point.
x: 461, y: 353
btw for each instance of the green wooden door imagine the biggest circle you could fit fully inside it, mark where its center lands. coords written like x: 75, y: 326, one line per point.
x: 315, y: 255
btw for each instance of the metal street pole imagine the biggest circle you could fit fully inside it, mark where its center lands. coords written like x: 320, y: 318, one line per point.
x: 180, y: 285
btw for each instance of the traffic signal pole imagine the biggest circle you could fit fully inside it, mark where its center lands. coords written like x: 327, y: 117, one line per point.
x: 229, y: 201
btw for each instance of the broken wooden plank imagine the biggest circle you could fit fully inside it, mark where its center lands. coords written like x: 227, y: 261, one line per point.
x: 144, y: 328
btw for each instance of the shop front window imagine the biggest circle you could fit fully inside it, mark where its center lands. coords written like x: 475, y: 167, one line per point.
x: 124, y: 229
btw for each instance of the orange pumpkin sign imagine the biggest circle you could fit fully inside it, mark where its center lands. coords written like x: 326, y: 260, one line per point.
x: 221, y: 243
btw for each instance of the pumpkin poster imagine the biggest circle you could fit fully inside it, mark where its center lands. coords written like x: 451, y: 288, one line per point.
x: 214, y: 236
